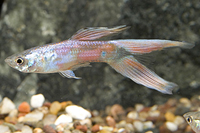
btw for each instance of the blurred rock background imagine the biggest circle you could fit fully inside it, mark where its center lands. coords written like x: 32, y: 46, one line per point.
x: 26, y: 23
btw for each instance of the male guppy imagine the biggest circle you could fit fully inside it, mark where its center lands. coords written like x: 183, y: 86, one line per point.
x: 81, y: 49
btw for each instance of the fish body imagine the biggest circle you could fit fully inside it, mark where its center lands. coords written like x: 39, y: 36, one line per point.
x: 83, y: 48
x: 193, y: 119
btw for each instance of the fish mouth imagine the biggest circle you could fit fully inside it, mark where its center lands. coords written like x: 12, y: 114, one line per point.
x: 9, y: 61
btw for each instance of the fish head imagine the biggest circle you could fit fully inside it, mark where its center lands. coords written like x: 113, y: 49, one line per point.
x: 193, y: 120
x: 24, y: 62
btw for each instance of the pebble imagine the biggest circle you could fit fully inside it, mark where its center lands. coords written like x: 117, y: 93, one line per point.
x: 24, y: 107
x: 110, y: 121
x: 143, y: 115
x: 133, y: 115
x: 26, y: 129
x: 49, y: 119
x: 82, y: 128
x: 6, y: 106
x: 38, y: 130
x: 34, y: 116
x: 138, y: 125
x: 169, y: 116
x: 65, y: 104
x: 139, y: 107
x: 37, y: 100
x: 148, y: 125
x: 4, y: 129
x: 47, y: 104
x: 116, y: 110
x: 55, y: 108
x: 171, y: 126
x: 77, y: 112
x: 179, y: 120
x: 63, y: 119
x: 121, y: 124
x: 95, y: 128
x: 49, y: 129
x: 13, y: 113
x: 186, y: 102
x: 129, y: 127
x: 87, y: 122
x: 155, y: 113
x: 11, y: 119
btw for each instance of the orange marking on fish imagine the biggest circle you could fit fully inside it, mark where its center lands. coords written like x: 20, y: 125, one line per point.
x: 89, y: 55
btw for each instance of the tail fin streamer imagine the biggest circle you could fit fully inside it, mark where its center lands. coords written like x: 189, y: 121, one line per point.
x: 135, y: 46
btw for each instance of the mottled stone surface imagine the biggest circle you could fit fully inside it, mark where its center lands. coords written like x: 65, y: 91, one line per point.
x: 26, y: 23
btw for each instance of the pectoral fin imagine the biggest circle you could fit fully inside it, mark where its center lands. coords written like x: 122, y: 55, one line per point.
x: 92, y: 33
x: 69, y: 74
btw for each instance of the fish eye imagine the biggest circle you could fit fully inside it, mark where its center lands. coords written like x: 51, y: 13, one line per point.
x: 189, y: 119
x: 19, y: 60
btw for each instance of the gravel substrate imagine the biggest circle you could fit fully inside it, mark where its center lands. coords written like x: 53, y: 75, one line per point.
x: 65, y: 117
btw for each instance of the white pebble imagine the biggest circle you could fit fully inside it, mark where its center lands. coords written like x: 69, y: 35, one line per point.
x: 37, y: 100
x: 13, y: 113
x: 33, y: 116
x: 26, y: 129
x: 179, y: 120
x: 171, y: 126
x: 4, y: 129
x: 63, y: 119
x: 77, y: 112
x: 139, y: 107
x: 6, y: 106
x: 154, y: 113
x: 138, y: 125
x: 86, y: 121
x: 133, y: 115
x: 148, y: 124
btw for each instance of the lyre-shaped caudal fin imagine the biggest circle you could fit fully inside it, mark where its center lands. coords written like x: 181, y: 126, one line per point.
x: 146, y: 46
x: 131, y: 68
x: 92, y: 33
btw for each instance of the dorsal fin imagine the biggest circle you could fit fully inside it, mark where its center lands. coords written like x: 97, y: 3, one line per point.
x: 92, y: 33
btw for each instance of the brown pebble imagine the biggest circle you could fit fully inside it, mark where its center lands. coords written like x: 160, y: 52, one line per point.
x: 55, y: 108
x: 48, y: 129
x: 63, y: 105
x: 172, y: 102
x: 1, y: 122
x: 145, y: 109
x: 110, y: 121
x: 82, y: 128
x: 24, y: 107
x: 95, y: 128
x: 12, y: 120
x: 117, y: 110
x: 47, y: 104
x: 169, y: 116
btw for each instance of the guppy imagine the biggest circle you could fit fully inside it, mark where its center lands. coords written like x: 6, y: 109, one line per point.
x: 83, y: 48
x: 193, y: 119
